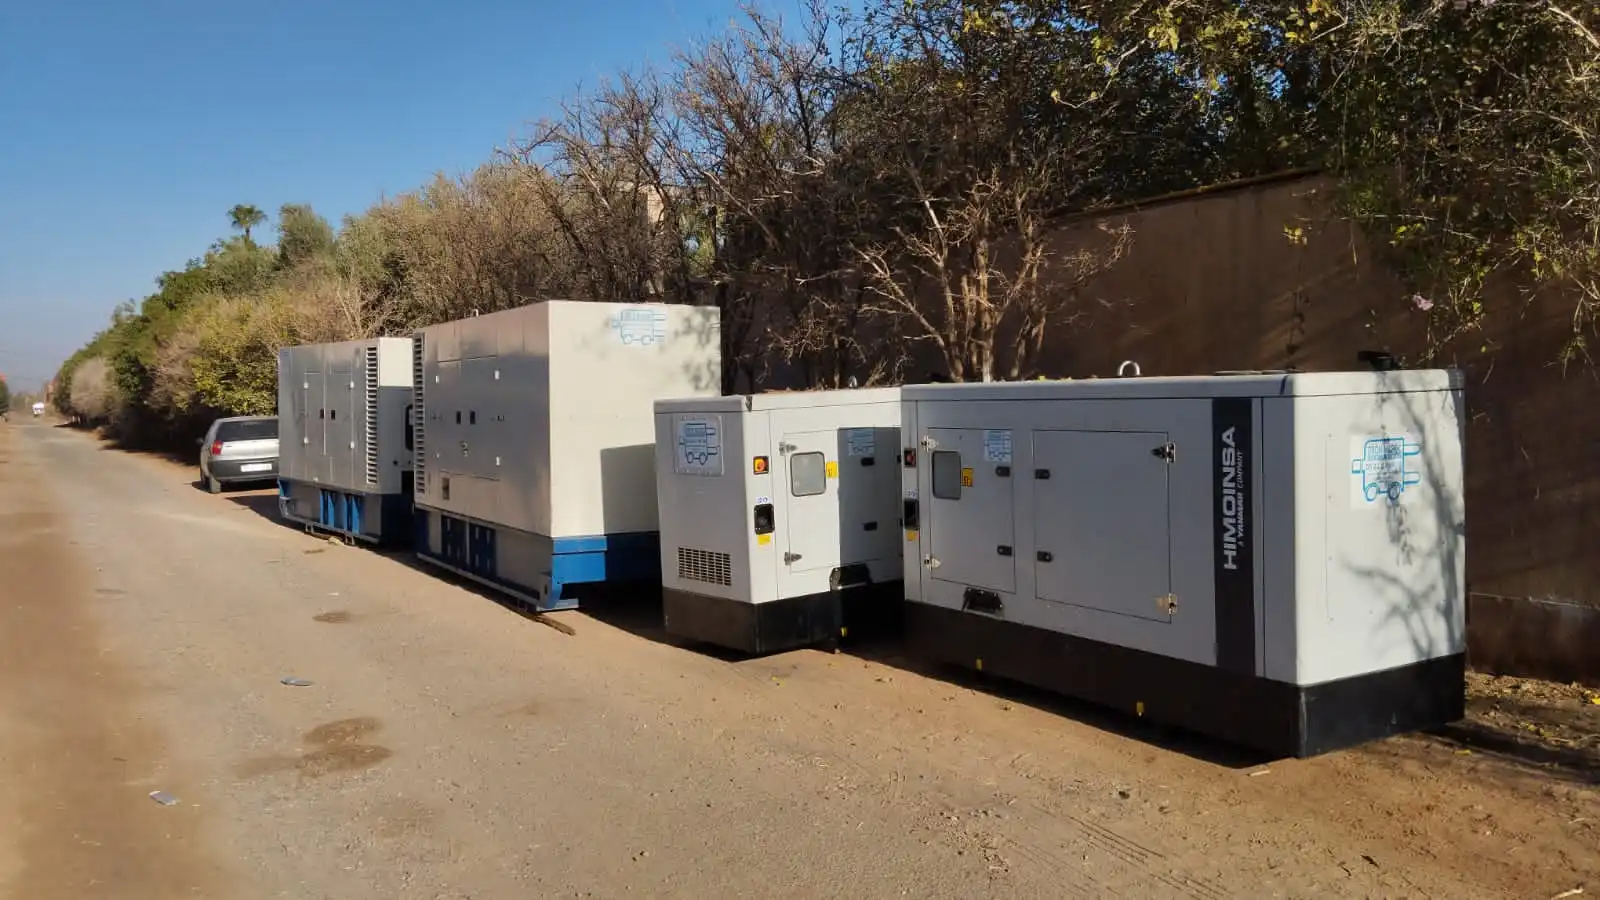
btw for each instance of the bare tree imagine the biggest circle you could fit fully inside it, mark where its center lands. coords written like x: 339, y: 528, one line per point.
x: 972, y: 142
x: 758, y: 112
x: 976, y: 275
x: 606, y: 172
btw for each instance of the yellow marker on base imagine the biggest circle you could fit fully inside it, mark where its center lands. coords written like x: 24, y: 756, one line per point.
x: 1138, y: 708
x: 980, y: 665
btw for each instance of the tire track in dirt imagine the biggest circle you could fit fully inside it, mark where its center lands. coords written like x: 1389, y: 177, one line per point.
x: 76, y: 761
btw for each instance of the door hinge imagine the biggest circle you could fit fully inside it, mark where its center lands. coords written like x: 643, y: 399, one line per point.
x: 931, y: 562
x: 1167, y: 452
x: 790, y: 558
x: 1168, y: 603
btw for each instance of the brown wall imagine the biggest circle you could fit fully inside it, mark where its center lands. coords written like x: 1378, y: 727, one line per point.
x: 1212, y: 282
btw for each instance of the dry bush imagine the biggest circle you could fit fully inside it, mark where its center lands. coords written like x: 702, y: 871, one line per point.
x: 172, y: 388
x: 484, y: 242
x: 94, y: 394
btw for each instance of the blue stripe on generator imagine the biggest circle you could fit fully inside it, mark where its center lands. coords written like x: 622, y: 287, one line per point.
x: 627, y: 557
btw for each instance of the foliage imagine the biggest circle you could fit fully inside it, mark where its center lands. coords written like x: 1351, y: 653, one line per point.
x: 5, y: 395
x: 94, y: 391
x: 304, y: 237
x: 245, y: 217
x: 854, y: 189
x: 1476, y: 154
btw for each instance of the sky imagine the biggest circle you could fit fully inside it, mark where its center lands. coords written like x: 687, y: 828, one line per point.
x: 128, y: 128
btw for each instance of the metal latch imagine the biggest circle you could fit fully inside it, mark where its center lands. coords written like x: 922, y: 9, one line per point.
x: 930, y: 562
x: 1168, y: 603
x: 929, y: 443
x: 790, y: 557
x: 1167, y: 452
x: 786, y: 448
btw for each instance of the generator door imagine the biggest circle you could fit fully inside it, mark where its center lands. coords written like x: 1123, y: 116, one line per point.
x: 292, y: 428
x: 315, y: 430
x: 869, y: 494
x: 1102, y: 521
x: 340, y: 425
x: 811, y: 498
x: 969, y: 513
x: 480, y: 449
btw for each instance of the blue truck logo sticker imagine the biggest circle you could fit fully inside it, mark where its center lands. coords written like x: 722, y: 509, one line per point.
x: 699, y: 445
x: 640, y: 327
x: 1386, y: 467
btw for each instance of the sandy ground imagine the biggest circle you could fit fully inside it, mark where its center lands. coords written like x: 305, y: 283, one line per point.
x: 450, y: 748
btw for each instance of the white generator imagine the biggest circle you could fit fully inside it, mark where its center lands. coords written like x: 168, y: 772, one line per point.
x: 344, y: 438
x: 535, y: 440
x: 1277, y: 560
x: 780, y: 516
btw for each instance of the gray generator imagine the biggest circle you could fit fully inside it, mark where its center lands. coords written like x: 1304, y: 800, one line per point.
x: 344, y: 438
x: 779, y: 516
x: 1277, y: 560
x: 535, y: 441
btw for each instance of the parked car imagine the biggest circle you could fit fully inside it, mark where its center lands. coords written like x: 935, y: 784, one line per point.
x: 239, y: 450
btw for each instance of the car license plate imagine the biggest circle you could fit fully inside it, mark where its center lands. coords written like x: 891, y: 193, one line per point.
x: 255, y: 467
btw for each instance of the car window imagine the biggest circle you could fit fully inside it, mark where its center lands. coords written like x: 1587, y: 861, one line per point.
x: 249, y: 430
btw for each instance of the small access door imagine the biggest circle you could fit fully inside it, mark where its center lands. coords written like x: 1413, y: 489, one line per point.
x: 314, y: 434
x: 1102, y: 523
x: 292, y: 430
x: 341, y: 423
x: 969, y: 507
x: 869, y: 495
x: 811, y: 501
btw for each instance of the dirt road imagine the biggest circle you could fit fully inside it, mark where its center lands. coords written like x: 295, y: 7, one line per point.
x: 449, y: 748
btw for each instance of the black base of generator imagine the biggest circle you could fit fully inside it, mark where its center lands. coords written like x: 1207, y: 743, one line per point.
x: 1270, y: 716
x: 860, y: 611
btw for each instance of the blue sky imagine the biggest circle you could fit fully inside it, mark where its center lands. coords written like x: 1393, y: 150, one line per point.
x: 129, y: 127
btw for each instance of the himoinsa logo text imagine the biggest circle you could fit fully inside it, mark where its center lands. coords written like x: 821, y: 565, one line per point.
x: 1233, y: 567
x: 1233, y: 499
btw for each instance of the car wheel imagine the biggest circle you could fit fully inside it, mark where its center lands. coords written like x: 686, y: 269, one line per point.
x: 213, y: 486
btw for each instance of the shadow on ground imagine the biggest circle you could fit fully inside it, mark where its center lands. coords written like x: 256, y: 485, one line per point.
x: 1553, y: 729
x: 261, y: 501
x: 640, y: 614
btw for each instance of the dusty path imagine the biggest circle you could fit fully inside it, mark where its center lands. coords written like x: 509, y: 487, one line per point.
x: 73, y: 747
x: 449, y: 748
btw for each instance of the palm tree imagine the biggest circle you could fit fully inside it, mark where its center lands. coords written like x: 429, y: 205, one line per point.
x: 245, y: 217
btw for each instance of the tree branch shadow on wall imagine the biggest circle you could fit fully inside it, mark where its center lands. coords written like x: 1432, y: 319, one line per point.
x: 1430, y: 610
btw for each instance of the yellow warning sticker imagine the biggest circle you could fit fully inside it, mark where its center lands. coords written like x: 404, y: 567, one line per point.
x: 966, y: 478
x: 911, y: 535
x: 763, y: 539
x: 833, y: 469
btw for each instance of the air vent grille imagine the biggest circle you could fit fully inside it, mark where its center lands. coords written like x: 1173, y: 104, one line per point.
x: 371, y: 435
x: 705, y: 566
x: 419, y: 441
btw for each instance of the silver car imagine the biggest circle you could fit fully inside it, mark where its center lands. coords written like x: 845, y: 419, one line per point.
x: 239, y: 450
